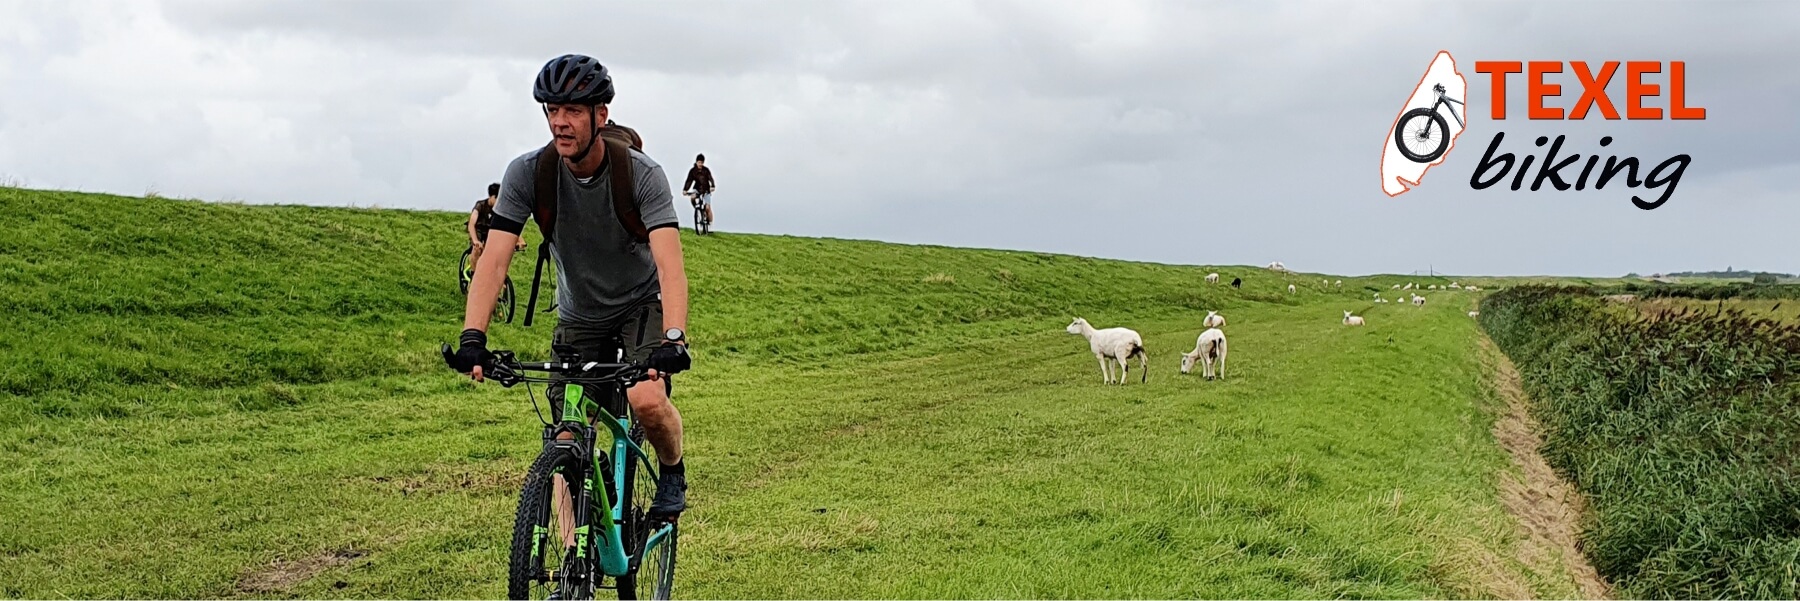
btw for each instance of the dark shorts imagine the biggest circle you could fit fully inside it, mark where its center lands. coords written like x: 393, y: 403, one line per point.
x: 627, y: 339
x: 481, y: 234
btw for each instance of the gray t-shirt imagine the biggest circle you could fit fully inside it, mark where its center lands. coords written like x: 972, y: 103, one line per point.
x: 600, y: 269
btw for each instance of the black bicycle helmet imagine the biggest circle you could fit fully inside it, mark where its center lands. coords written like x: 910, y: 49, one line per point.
x: 573, y: 79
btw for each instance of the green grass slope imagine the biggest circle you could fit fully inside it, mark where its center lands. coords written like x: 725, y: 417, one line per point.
x: 211, y: 400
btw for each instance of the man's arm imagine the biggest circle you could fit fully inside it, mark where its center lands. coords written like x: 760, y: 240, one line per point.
x: 490, y: 274
x: 671, y: 273
x: 473, y: 239
x: 690, y: 181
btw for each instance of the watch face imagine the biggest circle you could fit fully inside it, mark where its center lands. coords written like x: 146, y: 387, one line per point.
x: 673, y: 334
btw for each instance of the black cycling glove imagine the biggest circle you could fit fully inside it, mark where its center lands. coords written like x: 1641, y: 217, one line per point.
x: 471, y: 352
x: 670, y: 358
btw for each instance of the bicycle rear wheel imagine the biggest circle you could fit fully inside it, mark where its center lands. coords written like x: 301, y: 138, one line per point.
x: 651, y: 541
x: 700, y: 224
x: 537, y: 565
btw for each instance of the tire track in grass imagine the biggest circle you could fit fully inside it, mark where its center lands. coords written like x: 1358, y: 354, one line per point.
x: 1547, y: 508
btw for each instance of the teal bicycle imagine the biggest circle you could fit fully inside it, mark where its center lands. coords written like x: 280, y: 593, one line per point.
x: 584, y: 513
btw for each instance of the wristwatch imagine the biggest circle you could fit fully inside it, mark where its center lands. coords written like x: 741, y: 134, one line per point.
x: 675, y: 335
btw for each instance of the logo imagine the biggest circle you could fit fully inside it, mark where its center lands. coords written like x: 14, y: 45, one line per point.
x: 1421, y: 137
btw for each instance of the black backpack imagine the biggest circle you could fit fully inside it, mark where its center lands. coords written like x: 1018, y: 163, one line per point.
x: 619, y: 141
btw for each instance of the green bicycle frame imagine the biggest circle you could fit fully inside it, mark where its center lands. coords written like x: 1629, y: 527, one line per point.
x: 613, y: 561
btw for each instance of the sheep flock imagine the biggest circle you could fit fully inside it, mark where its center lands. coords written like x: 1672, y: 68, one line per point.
x: 1119, y: 345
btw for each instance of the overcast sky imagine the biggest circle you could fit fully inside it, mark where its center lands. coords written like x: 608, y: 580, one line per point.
x: 1181, y: 132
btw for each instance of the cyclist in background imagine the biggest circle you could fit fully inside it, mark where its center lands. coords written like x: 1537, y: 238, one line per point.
x: 480, y: 220
x: 700, y: 179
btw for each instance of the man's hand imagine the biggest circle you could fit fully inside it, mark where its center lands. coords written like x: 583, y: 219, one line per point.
x: 520, y: 246
x: 477, y: 244
x: 471, y: 353
x: 668, y: 359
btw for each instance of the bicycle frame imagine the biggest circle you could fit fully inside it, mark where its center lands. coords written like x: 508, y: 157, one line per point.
x: 611, y: 548
x: 1445, y: 102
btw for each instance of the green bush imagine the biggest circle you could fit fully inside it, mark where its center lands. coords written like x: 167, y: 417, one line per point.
x: 1679, y: 427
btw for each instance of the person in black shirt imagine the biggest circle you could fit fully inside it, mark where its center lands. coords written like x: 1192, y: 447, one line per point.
x: 480, y: 219
x: 700, y: 179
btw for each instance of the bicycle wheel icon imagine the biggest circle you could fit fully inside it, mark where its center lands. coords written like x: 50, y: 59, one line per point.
x: 1422, y: 134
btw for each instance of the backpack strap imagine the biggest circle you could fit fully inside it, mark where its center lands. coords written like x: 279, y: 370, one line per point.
x: 624, y: 194
x: 543, y: 211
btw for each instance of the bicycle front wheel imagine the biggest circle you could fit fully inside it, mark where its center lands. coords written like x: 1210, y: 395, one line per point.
x: 1422, y: 135
x: 462, y: 270
x: 651, y: 541
x: 540, y: 562
x: 506, y: 303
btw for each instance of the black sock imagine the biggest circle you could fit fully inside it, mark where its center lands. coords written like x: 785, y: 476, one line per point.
x: 677, y: 468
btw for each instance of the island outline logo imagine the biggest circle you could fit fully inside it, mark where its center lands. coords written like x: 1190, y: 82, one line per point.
x: 1420, y: 136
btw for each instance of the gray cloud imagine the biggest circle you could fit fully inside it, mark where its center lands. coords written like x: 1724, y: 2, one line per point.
x: 1168, y: 131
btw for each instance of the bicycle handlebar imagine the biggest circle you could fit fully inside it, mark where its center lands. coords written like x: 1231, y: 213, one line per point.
x: 507, y: 370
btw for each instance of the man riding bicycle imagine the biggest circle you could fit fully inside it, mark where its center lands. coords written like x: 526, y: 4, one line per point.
x: 481, y: 219
x: 700, y: 179
x: 614, y: 294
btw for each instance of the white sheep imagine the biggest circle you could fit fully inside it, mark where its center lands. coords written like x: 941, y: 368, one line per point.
x: 1352, y: 320
x: 1380, y: 300
x: 1210, y: 347
x: 1277, y: 266
x: 1474, y: 314
x: 1290, y: 288
x: 1407, y: 287
x: 1212, y: 278
x: 1396, y: 286
x: 1340, y: 284
x: 1453, y: 286
x: 1213, y: 320
x: 1432, y: 287
x: 1418, y: 301
x: 1120, y: 344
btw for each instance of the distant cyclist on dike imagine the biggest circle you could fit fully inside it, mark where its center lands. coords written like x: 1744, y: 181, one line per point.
x: 614, y: 292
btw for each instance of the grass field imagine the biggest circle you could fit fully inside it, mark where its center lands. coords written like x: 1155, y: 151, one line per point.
x: 203, y: 400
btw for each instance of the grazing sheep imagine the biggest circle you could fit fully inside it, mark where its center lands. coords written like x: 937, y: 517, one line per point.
x: 1407, y: 287
x: 1119, y: 344
x: 1212, y: 278
x: 1213, y: 320
x: 1453, y: 286
x: 1290, y: 288
x: 1340, y: 284
x: 1380, y: 300
x: 1396, y: 286
x: 1432, y: 287
x: 1277, y: 266
x: 1237, y: 282
x: 1474, y: 314
x: 1352, y: 320
x: 1325, y: 282
x: 1210, y: 347
x: 1418, y: 301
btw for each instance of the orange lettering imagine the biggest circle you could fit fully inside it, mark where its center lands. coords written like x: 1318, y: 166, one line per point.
x: 1636, y: 90
x: 1498, y: 70
x: 1593, y: 90
x: 1678, y: 108
x: 1536, y: 89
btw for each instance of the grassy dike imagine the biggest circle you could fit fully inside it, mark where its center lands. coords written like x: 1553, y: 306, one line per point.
x: 215, y: 400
